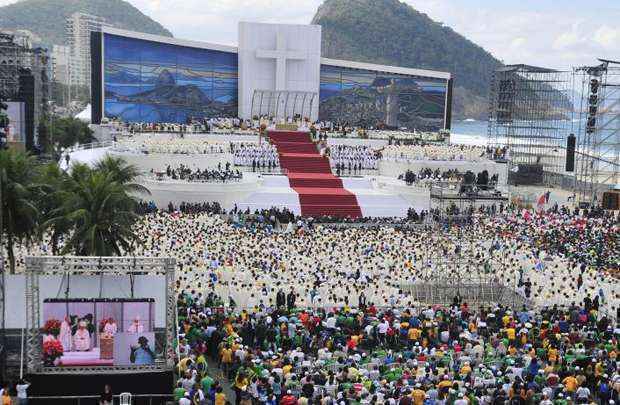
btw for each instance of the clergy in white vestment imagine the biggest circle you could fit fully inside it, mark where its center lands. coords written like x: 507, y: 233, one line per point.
x: 81, y: 339
x: 136, y: 326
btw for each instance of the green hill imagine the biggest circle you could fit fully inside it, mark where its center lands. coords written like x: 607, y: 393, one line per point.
x: 393, y: 33
x: 46, y: 18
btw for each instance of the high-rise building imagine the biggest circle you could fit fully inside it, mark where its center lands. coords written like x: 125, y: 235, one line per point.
x: 60, y: 64
x: 78, y: 29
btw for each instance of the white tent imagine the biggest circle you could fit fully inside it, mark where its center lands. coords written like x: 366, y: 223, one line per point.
x: 84, y: 115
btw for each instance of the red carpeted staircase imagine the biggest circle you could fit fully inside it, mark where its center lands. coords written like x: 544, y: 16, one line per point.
x: 309, y: 174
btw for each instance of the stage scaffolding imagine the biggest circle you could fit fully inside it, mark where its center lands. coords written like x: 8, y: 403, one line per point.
x: 18, y: 60
x: 530, y: 114
x: 598, y: 133
x: 283, y: 104
x: 455, y: 271
x: 74, y: 265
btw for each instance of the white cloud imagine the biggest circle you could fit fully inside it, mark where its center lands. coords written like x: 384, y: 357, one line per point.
x: 547, y: 35
x: 607, y: 37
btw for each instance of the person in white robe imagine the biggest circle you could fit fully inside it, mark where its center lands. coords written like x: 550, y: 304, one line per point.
x: 65, y: 334
x: 136, y: 326
x: 81, y: 339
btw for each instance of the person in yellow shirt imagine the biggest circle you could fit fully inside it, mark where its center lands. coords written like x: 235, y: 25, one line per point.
x: 418, y: 395
x: 466, y: 369
x: 444, y: 383
x: 413, y: 334
x: 570, y: 383
x: 506, y: 320
x: 226, y: 357
x: 511, y: 334
x: 552, y: 354
x: 220, y: 397
x: 286, y: 369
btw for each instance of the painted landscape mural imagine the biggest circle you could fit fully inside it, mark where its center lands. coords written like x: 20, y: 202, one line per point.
x: 375, y: 99
x: 147, y: 81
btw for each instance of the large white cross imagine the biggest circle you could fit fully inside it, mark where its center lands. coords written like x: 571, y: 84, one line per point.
x: 281, y: 55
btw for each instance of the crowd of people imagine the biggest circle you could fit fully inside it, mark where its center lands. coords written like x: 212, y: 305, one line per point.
x: 429, y: 176
x: 192, y: 126
x: 262, y: 155
x: 352, y: 333
x: 220, y: 174
x: 173, y: 145
x: 351, y: 158
x: 447, y: 152
x: 288, y: 354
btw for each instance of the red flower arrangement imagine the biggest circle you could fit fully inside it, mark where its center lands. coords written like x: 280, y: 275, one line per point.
x: 103, y: 322
x: 52, y: 349
x: 52, y: 327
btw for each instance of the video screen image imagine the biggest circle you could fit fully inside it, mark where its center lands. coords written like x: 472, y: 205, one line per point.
x: 92, y: 332
x: 146, y: 81
x: 381, y: 100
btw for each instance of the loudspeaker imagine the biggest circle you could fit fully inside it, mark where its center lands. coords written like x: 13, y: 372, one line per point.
x: 611, y: 200
x: 527, y: 175
x: 26, y: 94
x: 570, y: 153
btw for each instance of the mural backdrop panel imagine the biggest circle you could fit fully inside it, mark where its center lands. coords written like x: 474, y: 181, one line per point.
x: 373, y: 99
x: 146, y: 81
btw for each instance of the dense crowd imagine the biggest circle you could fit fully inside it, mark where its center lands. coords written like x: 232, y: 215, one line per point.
x: 448, y: 152
x: 288, y: 354
x: 193, y: 126
x: 350, y: 333
x: 255, y: 155
x: 219, y: 174
x: 173, y: 145
x: 347, y: 157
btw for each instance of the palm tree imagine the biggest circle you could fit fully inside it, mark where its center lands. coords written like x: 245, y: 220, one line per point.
x: 55, y: 186
x: 122, y: 172
x: 19, y: 189
x: 100, y: 213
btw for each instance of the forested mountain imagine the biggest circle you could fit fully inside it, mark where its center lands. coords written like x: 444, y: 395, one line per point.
x: 46, y: 18
x: 393, y: 33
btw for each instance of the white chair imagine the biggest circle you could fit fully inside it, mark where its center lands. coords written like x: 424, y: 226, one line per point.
x: 125, y: 398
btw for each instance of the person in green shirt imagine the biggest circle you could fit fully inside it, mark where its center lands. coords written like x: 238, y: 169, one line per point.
x: 179, y: 392
x: 207, y: 383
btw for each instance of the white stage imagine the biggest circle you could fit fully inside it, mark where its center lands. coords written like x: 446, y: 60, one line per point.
x: 374, y: 202
x: 378, y: 195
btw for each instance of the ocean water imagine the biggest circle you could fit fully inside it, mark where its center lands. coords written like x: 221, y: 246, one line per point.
x: 472, y: 132
x: 469, y: 133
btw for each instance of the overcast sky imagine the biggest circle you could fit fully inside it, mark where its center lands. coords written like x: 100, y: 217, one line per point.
x: 552, y: 33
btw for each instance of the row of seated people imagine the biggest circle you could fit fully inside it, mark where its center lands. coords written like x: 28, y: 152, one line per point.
x: 428, y: 175
x: 218, y: 174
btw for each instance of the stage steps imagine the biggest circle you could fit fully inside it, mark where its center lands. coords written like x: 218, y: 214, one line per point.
x: 310, y: 175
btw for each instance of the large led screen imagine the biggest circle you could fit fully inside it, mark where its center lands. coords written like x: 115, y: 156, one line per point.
x: 98, y: 332
x: 146, y: 81
x: 375, y: 99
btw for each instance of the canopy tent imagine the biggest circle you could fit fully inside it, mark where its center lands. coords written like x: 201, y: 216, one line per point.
x: 85, y: 115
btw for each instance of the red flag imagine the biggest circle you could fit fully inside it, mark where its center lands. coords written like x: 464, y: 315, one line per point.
x: 541, y: 202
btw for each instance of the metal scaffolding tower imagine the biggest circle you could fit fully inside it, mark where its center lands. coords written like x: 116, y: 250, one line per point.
x: 13, y: 58
x: 529, y: 113
x: 598, y: 152
x: 18, y: 61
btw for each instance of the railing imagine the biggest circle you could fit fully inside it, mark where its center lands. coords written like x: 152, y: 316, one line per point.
x: 138, y: 399
x: 92, y: 145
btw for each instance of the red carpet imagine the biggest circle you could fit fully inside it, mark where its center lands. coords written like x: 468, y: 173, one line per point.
x: 309, y: 174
